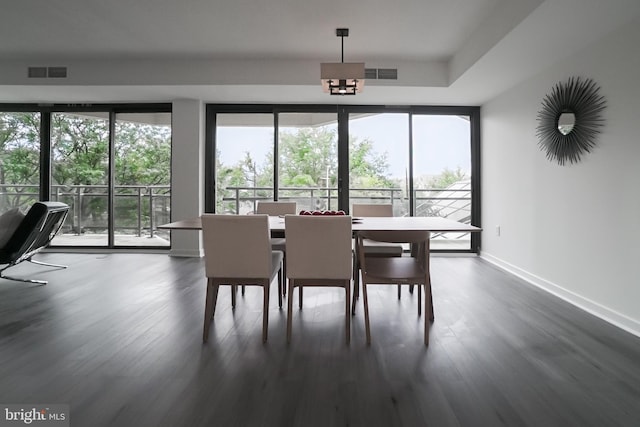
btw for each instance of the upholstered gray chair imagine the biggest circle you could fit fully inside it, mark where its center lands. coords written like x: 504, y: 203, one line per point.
x: 318, y: 254
x: 372, y: 248
x: 238, y: 251
x: 396, y: 270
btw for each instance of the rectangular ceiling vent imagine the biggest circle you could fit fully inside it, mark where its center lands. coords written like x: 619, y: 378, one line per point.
x: 387, y: 73
x: 47, y: 72
x: 57, y: 72
x: 370, y: 73
x: 381, y: 74
x: 37, y: 72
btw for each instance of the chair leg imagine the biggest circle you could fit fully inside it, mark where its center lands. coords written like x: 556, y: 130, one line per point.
x: 280, y: 287
x: 299, y: 296
x: 216, y: 288
x: 427, y: 324
x: 242, y: 287
x: 346, y: 312
x: 284, y: 275
x: 289, y: 310
x: 366, y: 312
x: 399, y: 290
x: 265, y: 313
x: 16, y: 279
x: 356, y: 278
x: 411, y: 288
x: 234, y: 290
x: 431, y: 315
x: 47, y: 264
x: 354, y: 298
x: 209, y: 308
x: 419, y: 300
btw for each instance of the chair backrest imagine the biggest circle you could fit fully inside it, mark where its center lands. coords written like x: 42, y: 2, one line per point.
x: 318, y: 247
x: 367, y: 209
x: 36, y: 230
x: 236, y: 246
x: 276, y: 208
x: 418, y: 239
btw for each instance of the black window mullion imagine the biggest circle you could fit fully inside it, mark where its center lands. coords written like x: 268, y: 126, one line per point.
x: 209, y: 161
x: 276, y: 164
x: 45, y: 156
x: 343, y: 159
x: 111, y: 177
x: 412, y: 202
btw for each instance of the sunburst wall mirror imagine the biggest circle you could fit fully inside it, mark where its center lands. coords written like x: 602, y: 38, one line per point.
x: 570, y: 120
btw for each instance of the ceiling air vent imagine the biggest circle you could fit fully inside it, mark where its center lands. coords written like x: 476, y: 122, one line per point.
x: 387, y: 73
x: 57, y: 72
x: 44, y: 72
x: 37, y: 72
x: 370, y: 73
x: 381, y: 73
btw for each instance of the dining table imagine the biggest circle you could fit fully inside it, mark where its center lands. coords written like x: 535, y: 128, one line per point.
x: 395, y: 223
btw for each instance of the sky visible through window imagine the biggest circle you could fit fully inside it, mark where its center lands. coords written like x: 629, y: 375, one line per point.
x: 440, y: 142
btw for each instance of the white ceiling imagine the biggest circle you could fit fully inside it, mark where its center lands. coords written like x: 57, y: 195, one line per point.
x: 446, y: 51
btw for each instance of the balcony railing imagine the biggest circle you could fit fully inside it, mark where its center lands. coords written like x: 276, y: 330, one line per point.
x: 138, y: 208
x: 448, y: 202
x: 453, y: 202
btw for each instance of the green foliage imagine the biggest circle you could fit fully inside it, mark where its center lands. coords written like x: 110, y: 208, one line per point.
x: 80, y: 156
x: 446, y: 178
x: 19, y: 158
x: 308, y: 158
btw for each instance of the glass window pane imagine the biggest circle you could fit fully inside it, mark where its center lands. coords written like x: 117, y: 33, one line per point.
x: 19, y: 160
x: 243, y: 161
x: 442, y: 173
x: 379, y: 160
x: 79, y: 175
x: 308, y: 160
x: 142, y: 179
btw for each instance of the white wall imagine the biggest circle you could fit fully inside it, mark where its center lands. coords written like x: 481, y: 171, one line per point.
x: 187, y: 174
x: 573, y: 230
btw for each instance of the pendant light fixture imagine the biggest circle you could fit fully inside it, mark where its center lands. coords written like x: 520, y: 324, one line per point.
x: 342, y: 78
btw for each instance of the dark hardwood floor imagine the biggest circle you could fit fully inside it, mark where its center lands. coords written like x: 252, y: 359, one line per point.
x: 118, y: 337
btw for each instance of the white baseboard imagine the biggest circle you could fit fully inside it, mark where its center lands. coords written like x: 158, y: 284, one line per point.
x: 190, y: 253
x: 620, y: 320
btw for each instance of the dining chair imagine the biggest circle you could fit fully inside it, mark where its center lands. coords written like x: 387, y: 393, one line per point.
x: 237, y: 251
x: 278, y: 242
x: 396, y: 270
x: 372, y: 248
x: 319, y: 254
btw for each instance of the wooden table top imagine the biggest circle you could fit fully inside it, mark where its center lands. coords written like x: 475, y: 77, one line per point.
x: 359, y: 224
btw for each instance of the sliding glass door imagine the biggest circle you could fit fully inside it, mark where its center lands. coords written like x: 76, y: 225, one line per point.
x: 419, y: 159
x: 110, y: 163
x: 80, y: 175
x: 379, y: 160
x: 244, y: 161
x: 142, y: 177
x: 308, y: 160
x: 19, y: 160
x: 442, y: 173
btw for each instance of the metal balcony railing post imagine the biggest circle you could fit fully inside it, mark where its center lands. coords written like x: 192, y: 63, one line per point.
x: 150, y: 190
x: 139, y: 211
x: 79, y: 208
x: 237, y: 201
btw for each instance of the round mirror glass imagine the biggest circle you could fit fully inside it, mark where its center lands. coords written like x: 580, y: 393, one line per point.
x: 566, y: 121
